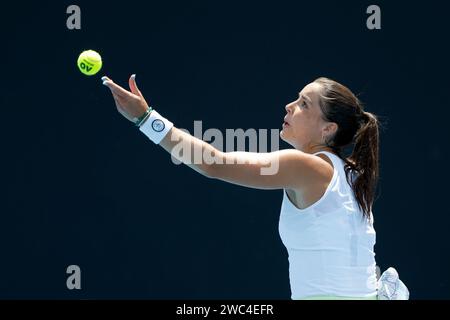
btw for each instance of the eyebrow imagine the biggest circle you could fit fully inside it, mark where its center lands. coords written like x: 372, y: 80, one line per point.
x: 305, y: 97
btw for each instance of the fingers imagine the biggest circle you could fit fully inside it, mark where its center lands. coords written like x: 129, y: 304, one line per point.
x: 133, y: 86
x: 106, y: 81
x: 116, y: 89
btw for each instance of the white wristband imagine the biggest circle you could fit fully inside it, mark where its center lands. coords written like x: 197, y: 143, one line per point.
x: 156, y: 127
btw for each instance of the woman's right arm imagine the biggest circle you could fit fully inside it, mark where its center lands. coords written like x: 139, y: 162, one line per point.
x: 289, y: 168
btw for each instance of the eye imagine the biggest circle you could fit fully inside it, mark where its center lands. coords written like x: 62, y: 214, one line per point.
x: 303, y: 104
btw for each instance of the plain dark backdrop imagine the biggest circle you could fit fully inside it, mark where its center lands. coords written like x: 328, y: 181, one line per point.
x: 81, y: 185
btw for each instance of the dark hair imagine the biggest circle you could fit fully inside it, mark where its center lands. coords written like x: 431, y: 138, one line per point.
x: 355, y: 127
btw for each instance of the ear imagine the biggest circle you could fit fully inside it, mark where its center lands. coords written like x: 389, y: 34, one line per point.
x: 329, y: 129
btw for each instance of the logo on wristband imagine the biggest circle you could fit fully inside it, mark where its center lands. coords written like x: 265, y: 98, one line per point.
x: 158, y: 125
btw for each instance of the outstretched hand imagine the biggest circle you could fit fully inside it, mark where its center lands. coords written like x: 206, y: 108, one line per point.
x: 131, y: 105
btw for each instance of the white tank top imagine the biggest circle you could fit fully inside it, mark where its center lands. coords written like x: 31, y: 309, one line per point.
x: 330, y: 244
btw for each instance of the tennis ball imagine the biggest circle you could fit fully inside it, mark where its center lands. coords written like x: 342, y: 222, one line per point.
x: 89, y: 62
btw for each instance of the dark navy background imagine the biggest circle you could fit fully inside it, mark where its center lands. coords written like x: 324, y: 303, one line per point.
x: 81, y: 185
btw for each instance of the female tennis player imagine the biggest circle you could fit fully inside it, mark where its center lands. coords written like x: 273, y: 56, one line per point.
x: 326, y: 220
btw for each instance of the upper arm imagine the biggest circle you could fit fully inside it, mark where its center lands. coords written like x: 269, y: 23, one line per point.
x: 290, y: 169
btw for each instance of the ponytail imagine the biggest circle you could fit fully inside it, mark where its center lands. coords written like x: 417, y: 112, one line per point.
x: 357, y: 128
x: 365, y: 159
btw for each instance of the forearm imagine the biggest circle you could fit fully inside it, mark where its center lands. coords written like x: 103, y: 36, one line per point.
x: 259, y: 170
x: 190, y: 150
x: 211, y: 162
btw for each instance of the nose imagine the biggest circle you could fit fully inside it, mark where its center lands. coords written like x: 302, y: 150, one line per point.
x: 288, y: 108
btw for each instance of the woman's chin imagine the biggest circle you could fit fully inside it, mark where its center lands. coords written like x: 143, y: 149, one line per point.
x: 283, y: 136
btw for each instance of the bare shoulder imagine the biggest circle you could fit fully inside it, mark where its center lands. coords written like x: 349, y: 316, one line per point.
x: 317, y: 174
x: 320, y: 162
x: 327, y: 159
x: 310, y: 170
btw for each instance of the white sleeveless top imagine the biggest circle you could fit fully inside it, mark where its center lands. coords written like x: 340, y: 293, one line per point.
x: 330, y: 244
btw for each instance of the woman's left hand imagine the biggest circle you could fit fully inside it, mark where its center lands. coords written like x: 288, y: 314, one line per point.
x: 131, y: 105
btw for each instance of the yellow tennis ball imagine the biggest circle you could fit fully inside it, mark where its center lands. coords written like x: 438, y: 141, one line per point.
x: 89, y: 62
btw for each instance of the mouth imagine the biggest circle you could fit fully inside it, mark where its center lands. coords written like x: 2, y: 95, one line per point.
x: 285, y: 123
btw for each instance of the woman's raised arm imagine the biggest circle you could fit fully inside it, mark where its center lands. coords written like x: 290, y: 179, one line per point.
x: 289, y: 168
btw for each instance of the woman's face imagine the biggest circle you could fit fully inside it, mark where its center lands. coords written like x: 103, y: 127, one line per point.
x: 303, y: 125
